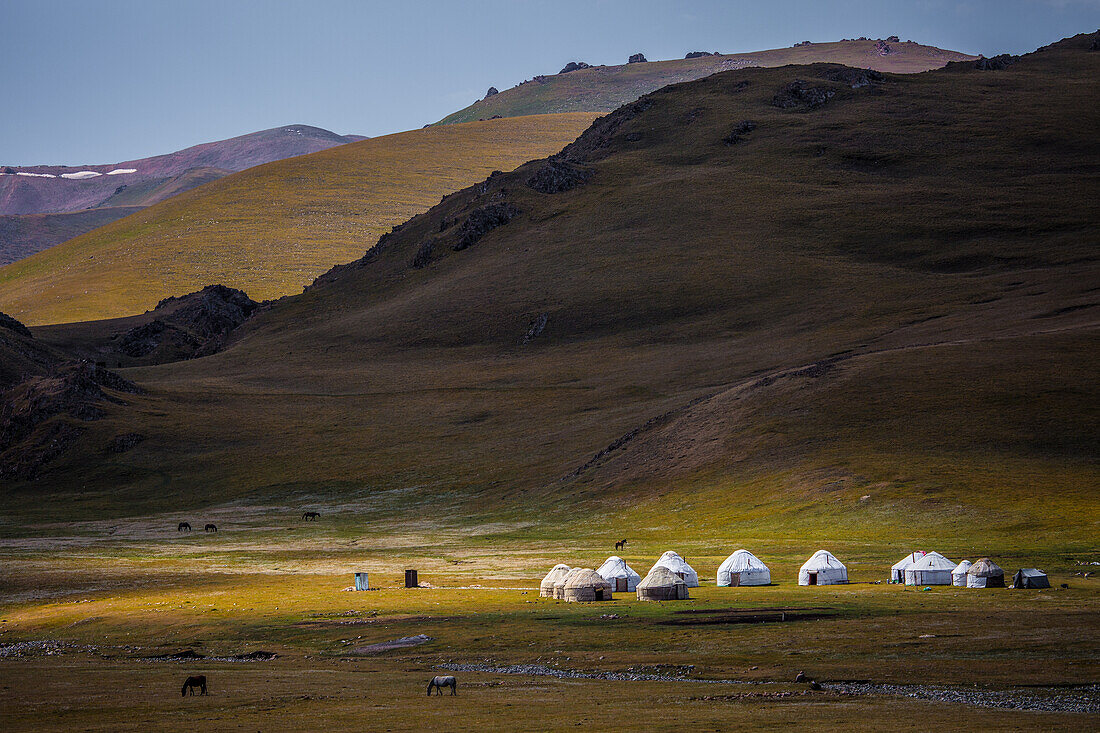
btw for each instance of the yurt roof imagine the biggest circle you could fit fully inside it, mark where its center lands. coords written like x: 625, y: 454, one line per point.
x: 586, y: 578
x: 908, y: 560
x: 674, y: 562
x: 740, y: 561
x: 985, y: 568
x: 616, y: 567
x: 660, y: 577
x: 933, y: 561
x: 963, y: 566
x: 823, y: 558
x: 557, y: 572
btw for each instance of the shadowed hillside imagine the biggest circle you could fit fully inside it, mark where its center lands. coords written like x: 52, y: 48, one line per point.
x: 604, y: 88
x: 271, y: 229
x: 773, y: 300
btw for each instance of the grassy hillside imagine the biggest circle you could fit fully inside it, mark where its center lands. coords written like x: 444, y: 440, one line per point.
x: 868, y: 319
x: 273, y: 228
x: 604, y: 88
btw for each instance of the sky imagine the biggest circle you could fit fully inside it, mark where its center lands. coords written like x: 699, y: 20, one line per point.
x: 102, y: 81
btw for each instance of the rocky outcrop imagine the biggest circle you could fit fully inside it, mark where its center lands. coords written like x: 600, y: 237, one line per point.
x: 700, y: 54
x: 41, y: 417
x: 637, y: 59
x: 557, y: 176
x: 739, y: 131
x: 191, y: 326
x: 481, y: 221
x: 800, y: 94
x: 492, y: 92
x: 595, y: 142
x: 996, y: 63
x: 574, y: 66
x: 854, y: 78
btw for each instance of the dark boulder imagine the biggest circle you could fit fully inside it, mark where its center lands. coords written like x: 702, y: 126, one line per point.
x: 536, y: 328
x: 996, y: 63
x: 574, y: 66
x: 492, y: 91
x: 637, y: 59
x: 423, y: 256
x: 189, y: 326
x: 11, y: 324
x: 882, y: 48
x: 799, y: 94
x: 741, y: 129
x: 893, y: 39
x: 855, y: 78
x: 556, y: 176
x: 482, y: 221
x: 699, y: 54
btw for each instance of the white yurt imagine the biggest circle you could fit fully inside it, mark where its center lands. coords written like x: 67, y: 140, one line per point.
x: 558, y: 572
x: 743, y: 568
x: 930, y: 569
x: 615, y: 571
x: 662, y: 585
x: 985, y: 574
x: 897, y: 570
x: 678, y: 565
x: 585, y: 584
x: 822, y: 569
x: 958, y: 575
x: 559, y: 584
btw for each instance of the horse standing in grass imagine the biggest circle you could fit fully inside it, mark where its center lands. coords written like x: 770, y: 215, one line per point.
x: 210, y: 528
x: 310, y: 516
x: 195, y: 680
x: 438, y: 683
x: 620, y: 544
x: 183, y: 527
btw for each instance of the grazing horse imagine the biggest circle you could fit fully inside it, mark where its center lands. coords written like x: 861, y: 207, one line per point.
x: 183, y: 527
x: 195, y: 680
x: 310, y: 516
x: 210, y: 528
x: 440, y: 682
x: 620, y: 544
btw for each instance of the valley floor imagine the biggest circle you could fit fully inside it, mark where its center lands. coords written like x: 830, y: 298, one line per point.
x: 87, y: 608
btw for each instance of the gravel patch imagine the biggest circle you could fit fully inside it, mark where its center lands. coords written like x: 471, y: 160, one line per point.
x: 542, y: 670
x: 1083, y: 699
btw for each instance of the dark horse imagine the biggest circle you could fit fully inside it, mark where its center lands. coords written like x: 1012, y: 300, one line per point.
x: 438, y: 683
x: 195, y: 680
x: 310, y: 516
x: 620, y: 544
x: 210, y: 528
x: 183, y: 527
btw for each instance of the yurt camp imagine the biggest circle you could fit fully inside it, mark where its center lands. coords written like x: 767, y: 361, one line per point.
x: 897, y: 570
x: 586, y: 585
x: 822, y: 569
x: 958, y: 575
x: 932, y: 568
x: 559, y: 584
x: 743, y: 568
x: 558, y: 572
x: 662, y: 585
x: 1030, y: 578
x: 678, y: 565
x: 985, y: 574
x: 622, y: 578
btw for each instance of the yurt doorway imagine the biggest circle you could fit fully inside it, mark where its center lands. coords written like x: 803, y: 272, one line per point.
x: 620, y: 585
x: 599, y: 594
x: 813, y: 578
x: 735, y: 580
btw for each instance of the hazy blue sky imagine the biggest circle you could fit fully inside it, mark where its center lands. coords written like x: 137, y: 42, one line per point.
x: 93, y: 81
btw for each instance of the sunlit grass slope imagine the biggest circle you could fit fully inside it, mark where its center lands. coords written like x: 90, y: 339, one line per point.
x: 273, y: 228
x: 603, y: 88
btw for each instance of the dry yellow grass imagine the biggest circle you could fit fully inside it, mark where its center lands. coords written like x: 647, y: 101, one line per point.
x: 271, y: 229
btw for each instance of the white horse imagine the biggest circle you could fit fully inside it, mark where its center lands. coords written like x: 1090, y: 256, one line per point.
x: 438, y: 683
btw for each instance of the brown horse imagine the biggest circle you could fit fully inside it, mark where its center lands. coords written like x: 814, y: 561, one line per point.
x: 195, y: 680
x: 210, y: 528
x: 438, y: 683
x: 620, y: 544
x: 183, y: 527
x: 310, y: 516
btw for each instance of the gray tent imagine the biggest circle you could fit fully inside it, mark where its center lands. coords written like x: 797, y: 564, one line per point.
x: 1030, y: 578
